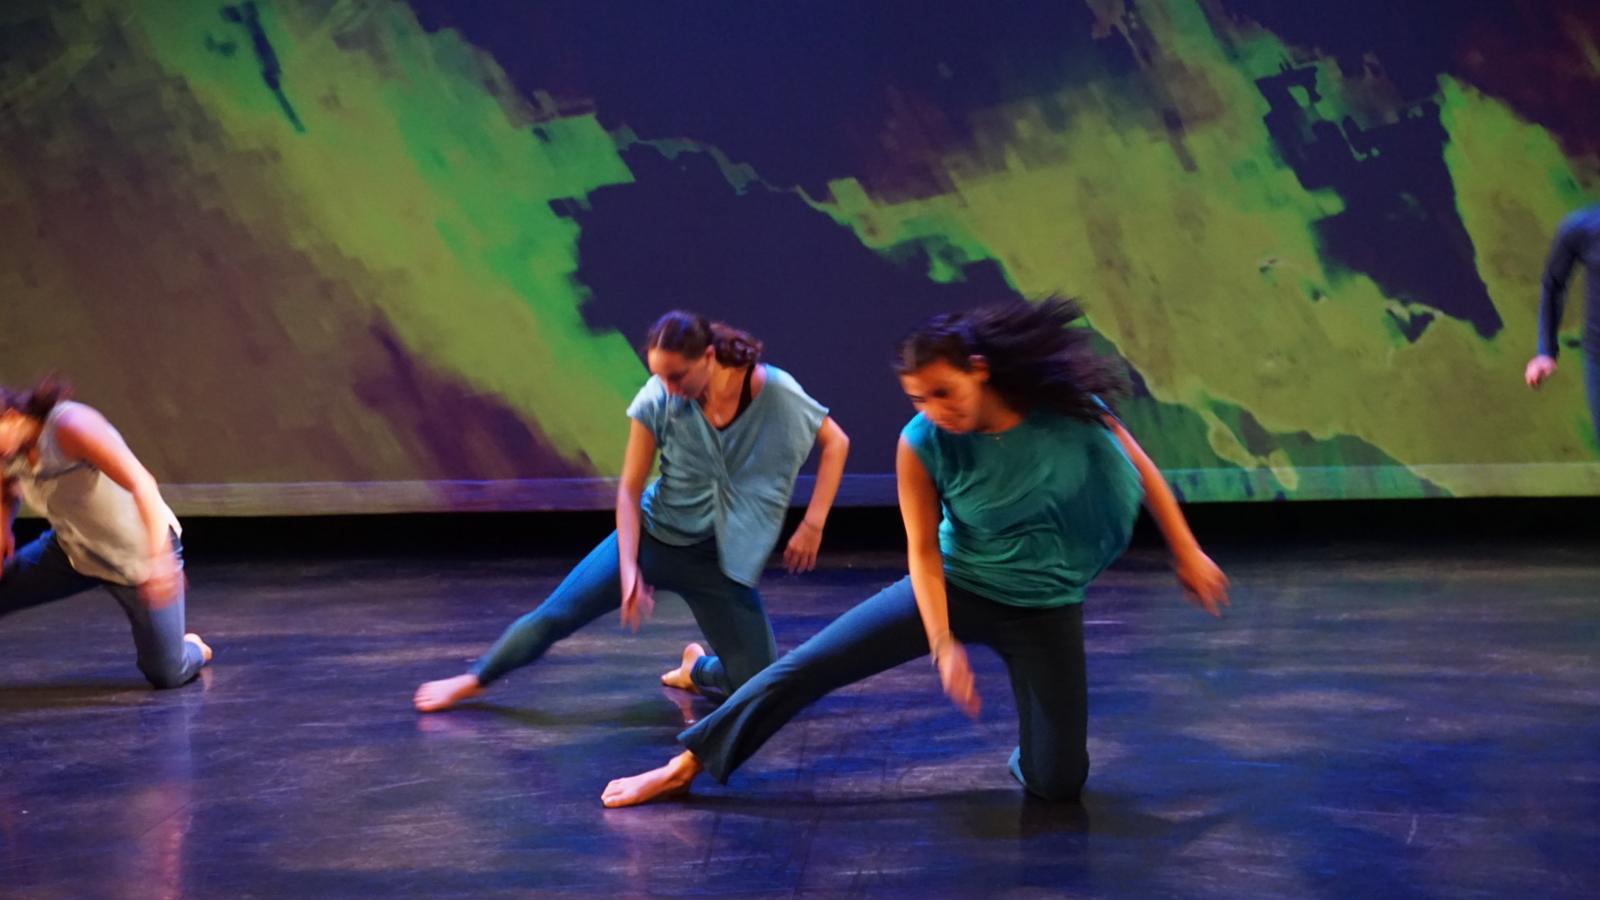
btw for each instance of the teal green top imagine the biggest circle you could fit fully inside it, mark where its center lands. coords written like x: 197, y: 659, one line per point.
x: 1032, y: 514
x: 733, y: 484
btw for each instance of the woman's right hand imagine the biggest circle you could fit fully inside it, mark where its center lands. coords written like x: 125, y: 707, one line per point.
x: 638, y: 599
x: 8, y: 547
x: 955, y: 674
x: 1538, y: 369
x: 164, y: 581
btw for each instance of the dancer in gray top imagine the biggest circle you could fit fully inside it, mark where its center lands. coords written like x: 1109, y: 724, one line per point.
x: 109, y: 526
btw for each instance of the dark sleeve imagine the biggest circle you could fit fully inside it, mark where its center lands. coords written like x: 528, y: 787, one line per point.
x: 1553, y: 287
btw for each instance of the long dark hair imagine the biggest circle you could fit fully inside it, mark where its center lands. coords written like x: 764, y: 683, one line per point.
x: 36, y: 402
x: 1039, y: 356
x: 689, y: 334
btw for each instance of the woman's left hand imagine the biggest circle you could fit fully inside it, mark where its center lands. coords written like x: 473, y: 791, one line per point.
x: 1204, y: 585
x: 165, y: 580
x: 801, y: 554
x: 955, y: 675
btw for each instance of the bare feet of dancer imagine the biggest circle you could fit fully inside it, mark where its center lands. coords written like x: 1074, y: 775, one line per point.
x: 680, y: 677
x: 667, y: 781
x: 433, y: 696
x: 205, y: 648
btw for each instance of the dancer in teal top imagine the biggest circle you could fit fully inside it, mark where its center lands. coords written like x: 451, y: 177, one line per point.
x: 732, y: 433
x: 1072, y: 508
x: 1017, y: 486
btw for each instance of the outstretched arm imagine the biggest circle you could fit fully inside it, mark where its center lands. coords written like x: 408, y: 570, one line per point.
x: 84, y: 434
x: 919, y: 508
x: 638, y: 599
x: 1203, y: 582
x: 801, y: 553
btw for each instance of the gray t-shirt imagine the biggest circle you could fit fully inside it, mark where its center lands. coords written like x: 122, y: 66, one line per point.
x: 733, y: 484
x: 94, y: 518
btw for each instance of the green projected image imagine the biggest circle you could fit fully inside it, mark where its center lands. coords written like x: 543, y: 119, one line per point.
x: 318, y: 256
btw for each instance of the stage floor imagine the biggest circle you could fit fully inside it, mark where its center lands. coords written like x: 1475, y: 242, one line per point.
x: 1366, y: 721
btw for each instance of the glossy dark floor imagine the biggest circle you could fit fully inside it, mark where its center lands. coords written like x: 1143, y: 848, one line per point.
x: 1366, y: 722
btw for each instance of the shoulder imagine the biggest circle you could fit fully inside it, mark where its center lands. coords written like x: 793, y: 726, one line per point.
x: 1582, y: 223
x: 770, y: 377
x: 1064, y: 430
x: 77, y: 419
x: 918, y: 428
x: 652, y: 394
x: 921, y: 438
x: 790, y: 395
x: 652, y: 407
x: 81, y: 431
x: 921, y: 434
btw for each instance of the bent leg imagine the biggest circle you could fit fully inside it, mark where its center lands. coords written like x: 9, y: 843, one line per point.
x: 730, y: 615
x: 1043, y: 653
x: 163, y: 656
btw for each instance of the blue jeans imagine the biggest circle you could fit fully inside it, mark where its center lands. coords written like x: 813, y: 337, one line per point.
x: 729, y: 614
x: 41, y: 573
x: 1042, y: 649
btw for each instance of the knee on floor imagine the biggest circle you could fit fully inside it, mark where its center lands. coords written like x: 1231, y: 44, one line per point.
x: 165, y: 677
x: 1056, y: 789
x: 1055, y: 780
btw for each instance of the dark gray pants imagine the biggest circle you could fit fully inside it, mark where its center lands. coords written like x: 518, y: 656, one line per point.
x: 729, y: 614
x: 1042, y: 650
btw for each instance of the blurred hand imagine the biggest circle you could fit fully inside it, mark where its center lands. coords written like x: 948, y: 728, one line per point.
x: 164, y: 581
x: 955, y: 674
x: 1204, y: 585
x: 1539, y: 368
x: 638, y: 600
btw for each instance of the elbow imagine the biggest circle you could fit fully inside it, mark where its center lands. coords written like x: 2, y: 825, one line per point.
x: 833, y: 438
x: 146, y: 493
x: 628, y: 495
x: 923, y: 552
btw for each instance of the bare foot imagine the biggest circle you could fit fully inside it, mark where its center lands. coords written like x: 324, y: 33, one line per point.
x: 668, y: 781
x: 205, y: 648
x: 433, y: 696
x: 679, y: 677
